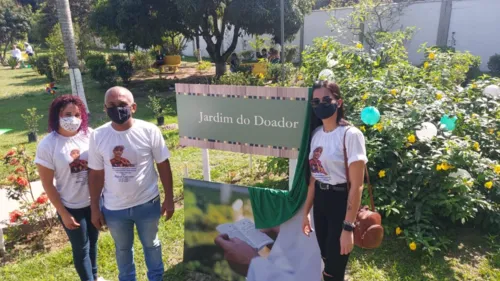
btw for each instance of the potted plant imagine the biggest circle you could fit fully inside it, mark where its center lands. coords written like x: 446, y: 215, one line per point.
x: 155, y: 104
x: 174, y: 43
x: 31, y: 120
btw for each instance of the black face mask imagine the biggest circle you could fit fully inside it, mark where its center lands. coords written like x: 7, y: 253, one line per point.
x: 119, y: 114
x: 325, y: 110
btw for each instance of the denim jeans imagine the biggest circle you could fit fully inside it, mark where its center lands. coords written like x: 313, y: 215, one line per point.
x: 83, y: 244
x: 121, y: 225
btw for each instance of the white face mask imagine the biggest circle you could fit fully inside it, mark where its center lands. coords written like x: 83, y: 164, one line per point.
x: 70, y: 124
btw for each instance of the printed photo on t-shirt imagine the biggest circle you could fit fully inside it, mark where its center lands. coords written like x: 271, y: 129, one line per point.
x: 318, y: 169
x: 119, y: 160
x: 78, y: 165
x: 315, y: 163
x: 123, y: 162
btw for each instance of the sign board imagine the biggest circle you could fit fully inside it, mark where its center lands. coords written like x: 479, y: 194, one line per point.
x: 247, y: 119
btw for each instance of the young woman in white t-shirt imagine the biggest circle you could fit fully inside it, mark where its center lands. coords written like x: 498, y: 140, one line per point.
x: 335, y: 207
x: 62, y: 156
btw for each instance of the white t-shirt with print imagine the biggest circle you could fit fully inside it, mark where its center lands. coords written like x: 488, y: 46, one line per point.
x: 326, y: 158
x: 68, y: 157
x: 128, y: 159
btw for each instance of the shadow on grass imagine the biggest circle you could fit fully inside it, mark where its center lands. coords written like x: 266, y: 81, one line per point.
x: 29, y: 82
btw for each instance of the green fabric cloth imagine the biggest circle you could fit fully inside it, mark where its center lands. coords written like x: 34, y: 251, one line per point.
x: 273, y: 207
x: 3, y: 131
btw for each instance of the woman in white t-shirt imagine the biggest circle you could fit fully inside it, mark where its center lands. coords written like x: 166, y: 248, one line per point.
x: 335, y: 207
x: 62, y: 156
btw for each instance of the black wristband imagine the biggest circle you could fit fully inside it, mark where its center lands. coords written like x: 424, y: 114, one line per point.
x: 348, y: 226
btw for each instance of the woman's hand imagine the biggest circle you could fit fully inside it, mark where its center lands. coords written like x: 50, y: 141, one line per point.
x: 306, y: 225
x: 346, y: 242
x: 69, y: 221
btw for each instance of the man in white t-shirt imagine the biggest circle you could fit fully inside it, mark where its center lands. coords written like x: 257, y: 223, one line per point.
x: 121, y: 158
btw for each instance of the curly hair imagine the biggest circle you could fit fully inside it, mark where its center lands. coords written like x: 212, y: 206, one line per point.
x: 60, y: 104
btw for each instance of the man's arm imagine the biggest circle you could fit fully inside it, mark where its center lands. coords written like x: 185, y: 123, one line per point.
x: 96, y: 184
x: 165, y: 173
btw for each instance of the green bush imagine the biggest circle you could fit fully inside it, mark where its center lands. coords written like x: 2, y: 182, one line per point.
x: 247, y: 55
x: 244, y: 68
x: 274, y: 72
x: 106, y: 76
x: 125, y: 70
x: 203, y: 66
x: 494, y: 64
x: 95, y: 63
x: 240, y: 79
x: 49, y: 65
x: 12, y: 62
x: 291, y: 53
x: 142, y: 60
x: 416, y: 188
x: 116, y: 59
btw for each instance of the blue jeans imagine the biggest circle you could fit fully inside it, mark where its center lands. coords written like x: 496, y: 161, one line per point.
x: 83, y: 244
x: 121, y: 225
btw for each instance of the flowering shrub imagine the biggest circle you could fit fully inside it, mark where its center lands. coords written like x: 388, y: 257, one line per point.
x: 422, y: 186
x: 23, y: 171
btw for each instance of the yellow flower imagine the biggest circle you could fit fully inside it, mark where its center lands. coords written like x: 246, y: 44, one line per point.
x: 324, y: 45
x: 398, y: 230
x: 381, y: 174
x: 469, y: 183
x: 394, y: 92
x: 476, y: 146
x: 261, y: 76
x: 446, y: 166
x: 300, y: 77
x: 432, y: 56
x: 491, y: 131
x: 410, y: 103
x: 426, y: 64
x: 411, y: 138
x: 443, y: 166
x: 474, y: 86
x: 359, y: 46
x: 497, y: 169
x: 439, y: 96
x: 488, y: 185
x: 365, y: 96
x: 362, y: 128
x: 379, y: 127
x: 413, y: 246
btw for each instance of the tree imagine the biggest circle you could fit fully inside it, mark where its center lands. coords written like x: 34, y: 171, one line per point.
x: 140, y: 23
x: 45, y: 19
x: 14, y: 24
x: 64, y: 15
x: 371, y: 18
x: 218, y: 20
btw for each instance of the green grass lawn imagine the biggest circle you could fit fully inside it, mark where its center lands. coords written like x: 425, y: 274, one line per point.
x: 471, y: 257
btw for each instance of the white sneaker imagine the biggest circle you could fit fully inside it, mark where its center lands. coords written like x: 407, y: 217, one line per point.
x: 101, y: 279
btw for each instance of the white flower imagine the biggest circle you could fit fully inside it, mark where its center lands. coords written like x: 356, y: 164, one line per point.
x: 332, y: 63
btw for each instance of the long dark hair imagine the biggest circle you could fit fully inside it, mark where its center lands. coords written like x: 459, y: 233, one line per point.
x: 60, y: 103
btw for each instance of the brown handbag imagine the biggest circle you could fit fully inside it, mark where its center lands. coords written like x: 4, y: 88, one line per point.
x: 368, y: 233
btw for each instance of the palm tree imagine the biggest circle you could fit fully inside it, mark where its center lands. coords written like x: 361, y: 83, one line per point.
x: 64, y: 15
